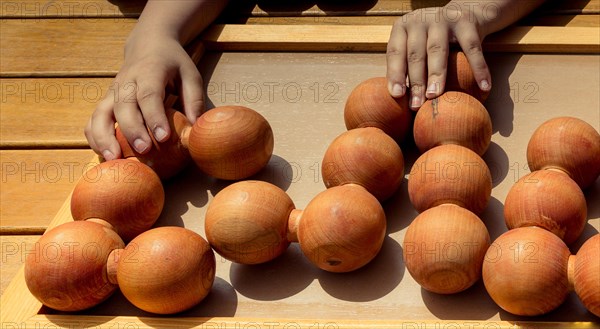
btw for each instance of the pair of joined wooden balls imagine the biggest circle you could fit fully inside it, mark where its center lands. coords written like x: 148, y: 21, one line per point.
x: 564, y: 156
x: 227, y: 142
x: 80, y: 264
x: 340, y: 230
x: 445, y: 245
x: 530, y: 271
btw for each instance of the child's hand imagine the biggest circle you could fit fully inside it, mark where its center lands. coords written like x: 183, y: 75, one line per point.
x: 152, y: 67
x: 419, y: 47
x: 155, y: 64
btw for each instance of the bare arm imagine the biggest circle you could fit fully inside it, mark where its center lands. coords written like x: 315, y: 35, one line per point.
x: 419, y: 43
x: 154, y: 61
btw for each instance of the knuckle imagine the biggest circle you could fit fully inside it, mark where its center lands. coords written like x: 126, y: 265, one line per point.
x: 415, y: 57
x: 147, y: 93
x: 394, y: 51
x: 436, y: 48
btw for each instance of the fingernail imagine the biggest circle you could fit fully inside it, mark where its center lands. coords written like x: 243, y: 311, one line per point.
x: 160, y: 134
x: 415, y: 102
x: 432, y: 89
x: 139, y: 145
x: 108, y: 155
x: 484, y: 85
x: 397, y: 90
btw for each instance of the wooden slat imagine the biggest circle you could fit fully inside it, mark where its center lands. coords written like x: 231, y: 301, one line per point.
x: 62, y: 47
x: 35, y: 183
x: 48, y: 113
x: 14, y: 250
x: 375, y: 38
x: 540, y: 20
x: 247, y: 8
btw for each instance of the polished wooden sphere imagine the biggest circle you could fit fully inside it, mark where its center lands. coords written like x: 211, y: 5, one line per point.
x: 67, y: 269
x: 371, y: 105
x: 367, y: 157
x: 450, y: 174
x: 587, y: 274
x: 342, y: 228
x: 568, y: 144
x: 453, y: 118
x: 126, y: 193
x: 459, y: 77
x: 231, y: 142
x: 166, y: 158
x: 548, y: 199
x: 444, y: 248
x: 247, y: 222
x: 525, y: 271
x: 166, y: 270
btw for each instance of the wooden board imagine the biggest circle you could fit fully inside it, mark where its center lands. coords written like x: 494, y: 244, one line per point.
x: 133, y: 8
x: 533, y: 20
x: 34, y: 185
x: 48, y: 113
x: 374, y: 38
x: 124, y: 8
x: 49, y: 47
x: 302, y: 95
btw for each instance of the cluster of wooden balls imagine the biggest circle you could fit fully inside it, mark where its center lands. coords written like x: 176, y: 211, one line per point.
x: 450, y: 186
x: 162, y: 270
x: 342, y: 228
x: 529, y: 270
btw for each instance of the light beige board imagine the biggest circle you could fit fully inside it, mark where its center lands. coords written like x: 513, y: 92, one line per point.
x: 302, y: 95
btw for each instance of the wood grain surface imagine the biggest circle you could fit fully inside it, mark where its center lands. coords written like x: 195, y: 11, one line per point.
x: 35, y: 183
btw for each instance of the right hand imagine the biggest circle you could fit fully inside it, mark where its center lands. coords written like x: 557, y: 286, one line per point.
x: 153, y: 66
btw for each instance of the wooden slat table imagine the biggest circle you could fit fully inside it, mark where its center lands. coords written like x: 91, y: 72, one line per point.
x: 51, y: 78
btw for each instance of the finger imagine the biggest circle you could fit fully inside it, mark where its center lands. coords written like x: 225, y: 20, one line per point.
x: 437, y: 61
x: 396, y: 61
x: 416, y: 58
x: 192, y: 92
x: 150, y: 96
x: 469, y: 41
x: 130, y: 118
x: 100, y: 130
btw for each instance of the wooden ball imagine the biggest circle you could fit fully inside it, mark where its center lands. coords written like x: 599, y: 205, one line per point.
x: 342, y: 228
x: 367, y: 157
x: 67, y: 269
x: 371, y: 105
x: 166, y: 270
x: 459, y: 77
x: 568, y: 144
x: 548, y: 199
x: 123, y: 192
x: 587, y: 274
x: 231, y: 142
x: 450, y: 174
x: 247, y: 222
x: 444, y: 248
x: 453, y: 118
x: 525, y: 271
x: 166, y: 158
